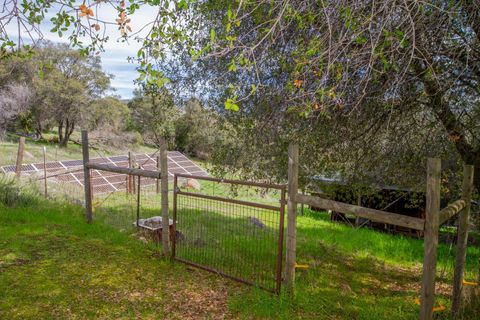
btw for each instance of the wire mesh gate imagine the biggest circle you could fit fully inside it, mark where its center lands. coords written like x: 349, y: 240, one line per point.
x: 220, y: 229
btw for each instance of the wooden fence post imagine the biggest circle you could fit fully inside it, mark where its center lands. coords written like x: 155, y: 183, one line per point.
x: 20, y: 151
x: 462, y: 239
x: 138, y: 200
x: 131, y: 179
x: 427, y: 298
x: 45, y: 171
x: 159, y: 169
x: 86, y: 177
x: 164, y: 187
x: 291, y: 217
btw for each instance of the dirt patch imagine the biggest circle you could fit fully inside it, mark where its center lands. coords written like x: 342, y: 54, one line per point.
x: 196, y: 303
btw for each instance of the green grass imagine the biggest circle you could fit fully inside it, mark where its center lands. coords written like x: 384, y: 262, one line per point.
x: 53, y: 265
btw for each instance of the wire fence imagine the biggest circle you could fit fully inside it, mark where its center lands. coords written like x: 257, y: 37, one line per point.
x: 228, y: 228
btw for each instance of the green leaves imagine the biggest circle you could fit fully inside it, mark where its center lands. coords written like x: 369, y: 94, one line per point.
x: 212, y: 36
x: 182, y: 5
x: 232, y: 67
x: 231, y: 104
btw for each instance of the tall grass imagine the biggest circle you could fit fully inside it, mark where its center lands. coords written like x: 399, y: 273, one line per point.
x: 13, y: 194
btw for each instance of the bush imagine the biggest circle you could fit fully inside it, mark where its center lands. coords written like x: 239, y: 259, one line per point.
x: 12, y: 194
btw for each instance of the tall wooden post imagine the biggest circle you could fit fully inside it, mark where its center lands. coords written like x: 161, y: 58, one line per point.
x: 20, y: 151
x: 427, y: 298
x: 291, y: 217
x: 131, y: 179
x: 45, y: 171
x: 159, y: 169
x: 164, y: 187
x: 138, y: 200
x: 86, y: 177
x: 462, y: 239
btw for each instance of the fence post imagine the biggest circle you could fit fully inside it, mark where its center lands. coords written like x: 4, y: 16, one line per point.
x: 164, y: 187
x: 20, y: 151
x: 462, y: 238
x: 45, y: 171
x: 158, y: 180
x: 138, y: 200
x: 86, y: 177
x: 174, y: 243
x: 427, y: 298
x: 291, y: 217
x: 131, y: 179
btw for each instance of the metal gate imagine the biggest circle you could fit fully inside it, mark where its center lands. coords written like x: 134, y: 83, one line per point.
x: 219, y: 228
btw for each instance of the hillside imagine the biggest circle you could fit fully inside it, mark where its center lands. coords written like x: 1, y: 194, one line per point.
x: 54, y: 265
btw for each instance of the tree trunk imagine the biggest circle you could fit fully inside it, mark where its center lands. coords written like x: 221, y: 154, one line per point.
x: 69, y: 127
x: 60, y: 131
x: 38, y: 130
x: 456, y: 133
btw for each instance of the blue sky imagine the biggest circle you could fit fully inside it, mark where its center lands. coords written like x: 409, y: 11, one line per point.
x: 114, y: 59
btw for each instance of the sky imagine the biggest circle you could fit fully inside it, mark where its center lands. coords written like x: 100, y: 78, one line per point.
x: 114, y: 59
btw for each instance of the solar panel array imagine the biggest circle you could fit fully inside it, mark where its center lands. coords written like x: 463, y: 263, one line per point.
x: 105, y: 182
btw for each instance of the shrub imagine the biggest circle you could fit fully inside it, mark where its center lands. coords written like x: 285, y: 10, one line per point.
x: 12, y: 194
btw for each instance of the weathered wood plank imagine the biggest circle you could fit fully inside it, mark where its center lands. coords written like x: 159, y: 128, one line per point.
x: 86, y: 173
x: 427, y: 297
x: 45, y: 186
x: 291, y: 217
x: 451, y: 210
x: 367, y: 213
x: 462, y: 239
x: 130, y: 171
x: 164, y: 191
x: 129, y: 177
x: 157, y: 184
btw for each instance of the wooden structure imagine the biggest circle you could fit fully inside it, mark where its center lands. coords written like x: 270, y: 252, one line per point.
x: 20, y: 152
x: 435, y: 217
x: 389, y: 198
x: 130, y: 172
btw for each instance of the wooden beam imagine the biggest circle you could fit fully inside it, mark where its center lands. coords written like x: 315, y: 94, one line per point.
x: 45, y: 187
x: 86, y: 174
x: 427, y: 297
x: 164, y: 192
x: 129, y: 177
x: 291, y: 217
x: 20, y: 152
x: 138, y: 200
x: 367, y: 213
x: 124, y: 170
x: 451, y: 210
x: 462, y: 239
x: 157, y: 186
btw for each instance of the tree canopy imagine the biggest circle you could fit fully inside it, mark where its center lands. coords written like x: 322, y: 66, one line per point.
x: 62, y: 85
x: 357, y: 83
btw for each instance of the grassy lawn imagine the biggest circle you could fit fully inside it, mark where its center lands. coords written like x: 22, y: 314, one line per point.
x: 53, y: 265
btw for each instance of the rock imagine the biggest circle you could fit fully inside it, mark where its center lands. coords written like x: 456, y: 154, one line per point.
x: 191, y: 184
x: 257, y: 222
x: 179, y: 236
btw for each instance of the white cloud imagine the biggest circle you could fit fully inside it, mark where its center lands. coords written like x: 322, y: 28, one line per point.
x: 114, y: 59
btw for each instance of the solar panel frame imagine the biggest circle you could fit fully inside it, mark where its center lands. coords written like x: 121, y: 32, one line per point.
x: 104, y: 181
